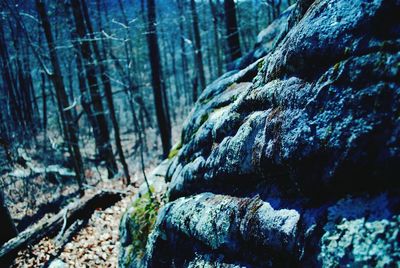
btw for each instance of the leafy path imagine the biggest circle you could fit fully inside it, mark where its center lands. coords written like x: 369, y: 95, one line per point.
x: 95, y: 245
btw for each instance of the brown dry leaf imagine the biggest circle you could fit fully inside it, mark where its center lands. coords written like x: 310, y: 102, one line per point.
x: 93, y: 246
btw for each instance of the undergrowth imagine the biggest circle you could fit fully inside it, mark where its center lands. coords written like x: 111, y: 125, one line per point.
x: 143, y: 218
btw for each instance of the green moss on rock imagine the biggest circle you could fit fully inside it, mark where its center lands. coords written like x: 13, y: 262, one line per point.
x: 175, y: 150
x: 142, y: 220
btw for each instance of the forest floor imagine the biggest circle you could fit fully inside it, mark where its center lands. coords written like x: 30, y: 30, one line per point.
x: 95, y: 245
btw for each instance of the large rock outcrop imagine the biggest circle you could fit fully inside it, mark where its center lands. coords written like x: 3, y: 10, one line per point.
x: 295, y: 159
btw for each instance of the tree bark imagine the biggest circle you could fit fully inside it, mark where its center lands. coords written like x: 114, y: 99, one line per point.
x: 102, y: 133
x: 44, y: 111
x: 9, y: 83
x: 57, y: 79
x: 197, y: 48
x: 133, y: 93
x: 184, y: 61
x: 232, y: 30
x: 160, y: 100
x: 216, y: 37
x: 108, y: 91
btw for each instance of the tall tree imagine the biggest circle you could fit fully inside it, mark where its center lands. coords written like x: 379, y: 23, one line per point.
x: 130, y: 73
x: 44, y: 111
x: 197, y: 49
x: 184, y: 60
x: 101, y: 132
x: 232, y: 31
x: 101, y: 59
x: 160, y: 100
x: 216, y: 37
x: 70, y: 130
x: 9, y: 83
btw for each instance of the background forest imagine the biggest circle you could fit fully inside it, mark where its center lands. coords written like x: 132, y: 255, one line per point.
x: 98, y: 90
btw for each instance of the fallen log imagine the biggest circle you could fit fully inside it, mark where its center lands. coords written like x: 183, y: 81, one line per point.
x: 62, y: 239
x: 79, y: 210
x: 51, y: 207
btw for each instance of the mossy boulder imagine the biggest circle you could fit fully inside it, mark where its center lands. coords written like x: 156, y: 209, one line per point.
x: 293, y: 160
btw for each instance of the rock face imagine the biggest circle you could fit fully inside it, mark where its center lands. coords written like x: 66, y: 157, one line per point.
x: 294, y: 160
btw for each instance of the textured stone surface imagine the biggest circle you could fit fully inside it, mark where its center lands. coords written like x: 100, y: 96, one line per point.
x: 127, y: 256
x: 226, y: 224
x: 294, y: 160
x: 210, y: 261
x: 361, y: 231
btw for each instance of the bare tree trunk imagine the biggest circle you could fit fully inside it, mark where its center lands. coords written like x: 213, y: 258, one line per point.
x: 101, y: 132
x: 69, y: 124
x: 232, y: 30
x: 44, y: 111
x: 208, y: 45
x: 167, y: 81
x: 157, y: 81
x: 130, y: 74
x: 216, y: 37
x: 197, y: 48
x: 184, y: 61
x: 9, y: 83
x: 131, y: 63
x: 108, y: 92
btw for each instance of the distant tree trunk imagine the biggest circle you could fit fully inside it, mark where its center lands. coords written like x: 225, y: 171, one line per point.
x: 194, y: 88
x: 102, y: 133
x: 44, y: 111
x: 131, y: 73
x: 178, y: 86
x: 197, y: 49
x: 166, y: 75
x: 25, y: 85
x: 8, y: 229
x: 232, y: 30
x: 157, y: 81
x: 85, y: 98
x: 35, y: 107
x: 69, y: 124
x: 108, y: 92
x: 184, y: 61
x: 84, y: 95
x: 24, y: 94
x: 210, y: 65
x: 9, y: 83
x: 131, y: 62
x: 216, y: 37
